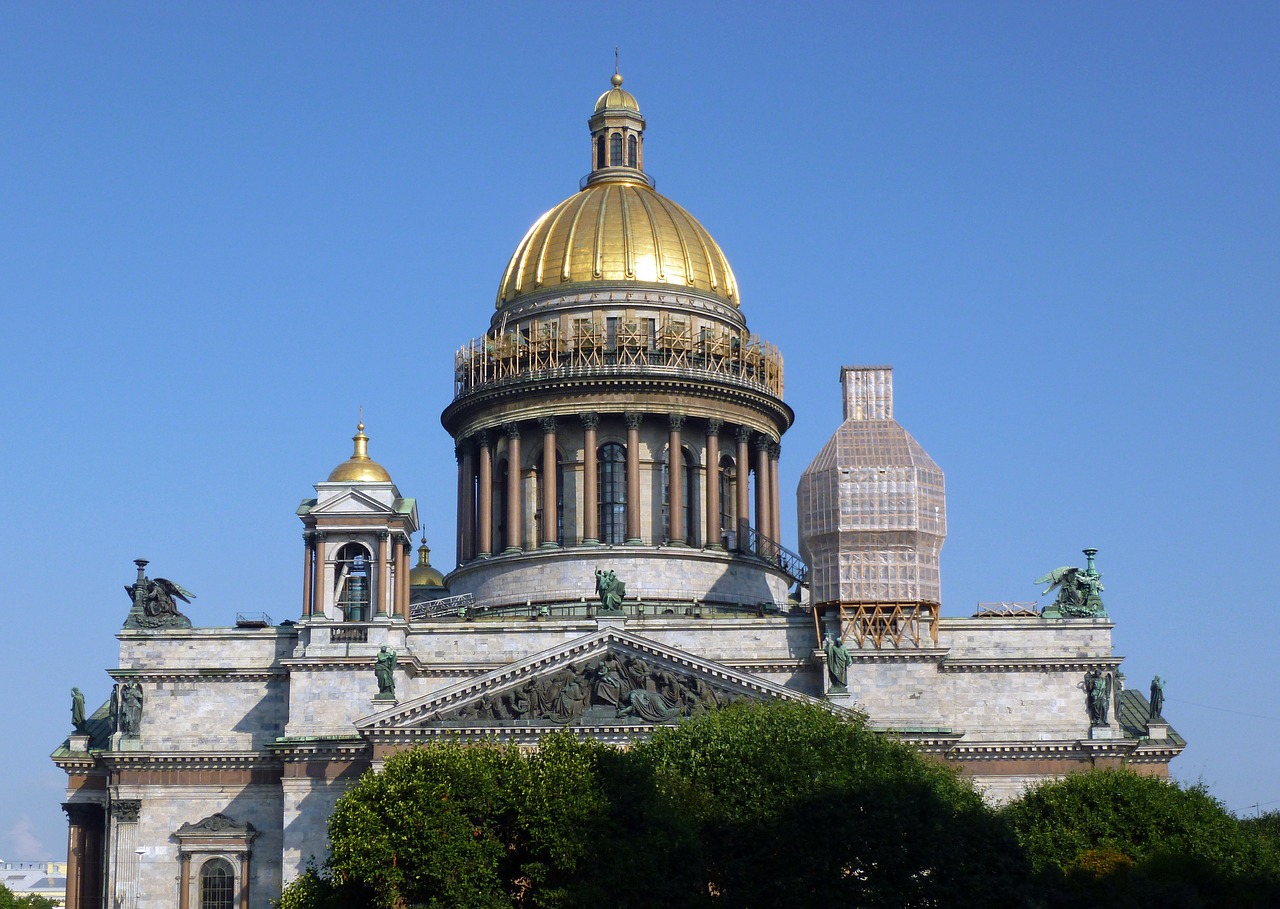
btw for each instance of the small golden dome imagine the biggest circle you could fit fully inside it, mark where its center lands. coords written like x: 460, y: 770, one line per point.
x: 360, y: 468
x: 422, y: 574
x: 618, y: 230
x: 617, y: 98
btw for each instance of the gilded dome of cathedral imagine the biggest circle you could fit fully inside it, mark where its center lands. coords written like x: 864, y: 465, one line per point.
x: 617, y: 229
x: 618, y: 232
x: 360, y: 468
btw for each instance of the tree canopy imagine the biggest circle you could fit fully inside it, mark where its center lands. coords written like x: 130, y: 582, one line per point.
x: 769, y: 806
x: 1117, y: 838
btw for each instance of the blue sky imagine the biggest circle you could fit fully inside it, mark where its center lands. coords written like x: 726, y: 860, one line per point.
x: 225, y: 227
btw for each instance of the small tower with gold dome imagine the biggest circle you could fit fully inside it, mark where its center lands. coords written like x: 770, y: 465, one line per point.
x: 357, y: 543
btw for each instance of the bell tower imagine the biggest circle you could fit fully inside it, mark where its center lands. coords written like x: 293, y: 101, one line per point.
x: 357, y: 542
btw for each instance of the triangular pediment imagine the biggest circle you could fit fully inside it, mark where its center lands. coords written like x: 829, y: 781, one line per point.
x: 352, y: 501
x: 610, y: 684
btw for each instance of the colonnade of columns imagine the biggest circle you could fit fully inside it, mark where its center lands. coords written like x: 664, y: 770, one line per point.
x: 476, y: 455
x: 391, y: 567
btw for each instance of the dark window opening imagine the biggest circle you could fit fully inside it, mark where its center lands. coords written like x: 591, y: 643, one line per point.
x: 631, y: 151
x: 612, y: 492
x: 615, y: 149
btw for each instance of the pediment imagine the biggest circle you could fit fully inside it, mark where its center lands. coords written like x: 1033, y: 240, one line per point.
x: 610, y: 684
x: 353, y: 501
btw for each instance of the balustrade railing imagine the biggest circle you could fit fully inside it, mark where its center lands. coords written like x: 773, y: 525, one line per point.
x: 543, y: 350
x: 753, y: 541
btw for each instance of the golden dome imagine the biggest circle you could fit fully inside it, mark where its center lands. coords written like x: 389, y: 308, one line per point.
x: 617, y: 98
x: 360, y: 468
x: 422, y: 574
x: 618, y: 231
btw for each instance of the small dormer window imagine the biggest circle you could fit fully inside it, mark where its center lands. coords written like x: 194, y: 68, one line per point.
x: 631, y: 151
x: 615, y: 149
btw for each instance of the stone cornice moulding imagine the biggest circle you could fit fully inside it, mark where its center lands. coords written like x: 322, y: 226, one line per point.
x: 1030, y: 664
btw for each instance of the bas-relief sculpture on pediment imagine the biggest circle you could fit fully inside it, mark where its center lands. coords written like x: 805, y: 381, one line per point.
x: 608, y: 679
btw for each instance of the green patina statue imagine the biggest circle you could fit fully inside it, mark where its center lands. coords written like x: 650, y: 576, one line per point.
x: 384, y: 668
x: 1079, y: 591
x: 838, y: 659
x: 77, y: 711
x: 1157, y: 700
x: 154, y: 603
x: 610, y: 590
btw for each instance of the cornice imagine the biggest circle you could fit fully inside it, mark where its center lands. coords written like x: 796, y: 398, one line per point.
x: 214, y: 673
x: 1029, y: 664
x: 575, y: 383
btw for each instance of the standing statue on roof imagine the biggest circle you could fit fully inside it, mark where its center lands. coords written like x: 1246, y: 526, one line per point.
x: 838, y: 660
x: 77, y: 711
x: 1079, y: 591
x: 384, y: 668
x: 610, y: 590
x: 1157, y: 700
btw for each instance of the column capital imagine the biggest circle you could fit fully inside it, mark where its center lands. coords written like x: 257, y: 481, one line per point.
x: 384, y: 535
x: 547, y: 424
x: 318, y: 536
x: 459, y: 449
x: 763, y: 442
x: 713, y: 426
x: 590, y: 420
x: 775, y: 450
x: 511, y: 429
x: 482, y: 438
x: 675, y: 421
x: 742, y: 434
x: 633, y: 419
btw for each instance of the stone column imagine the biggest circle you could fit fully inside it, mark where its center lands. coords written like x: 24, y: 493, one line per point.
x: 85, y: 842
x: 184, y: 879
x: 515, y: 541
x: 712, y: 540
x: 317, y: 584
x: 385, y: 600
x: 675, y: 481
x: 743, y: 436
x: 590, y: 485
x: 633, y: 476
x: 775, y: 454
x: 486, y: 497
x: 764, y: 521
x: 244, y: 880
x: 402, y: 578
x: 308, y: 552
x: 466, y: 501
x: 549, y: 511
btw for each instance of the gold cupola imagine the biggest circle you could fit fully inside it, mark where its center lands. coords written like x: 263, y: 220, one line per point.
x: 422, y: 574
x: 360, y: 468
x: 617, y: 228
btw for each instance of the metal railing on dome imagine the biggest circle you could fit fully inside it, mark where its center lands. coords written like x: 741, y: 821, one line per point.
x: 753, y: 541
x: 673, y: 347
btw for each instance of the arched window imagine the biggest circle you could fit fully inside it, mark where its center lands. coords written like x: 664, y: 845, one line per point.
x: 631, y: 151
x: 687, y: 489
x: 600, y: 162
x: 615, y: 149
x: 612, y: 492
x: 354, y: 582
x: 217, y: 885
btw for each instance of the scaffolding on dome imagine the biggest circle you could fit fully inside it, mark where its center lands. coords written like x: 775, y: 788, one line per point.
x: 544, y: 350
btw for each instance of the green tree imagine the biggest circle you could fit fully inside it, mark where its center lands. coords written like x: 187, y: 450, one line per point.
x: 30, y: 901
x: 1113, y: 837
x: 480, y: 826
x: 797, y: 807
